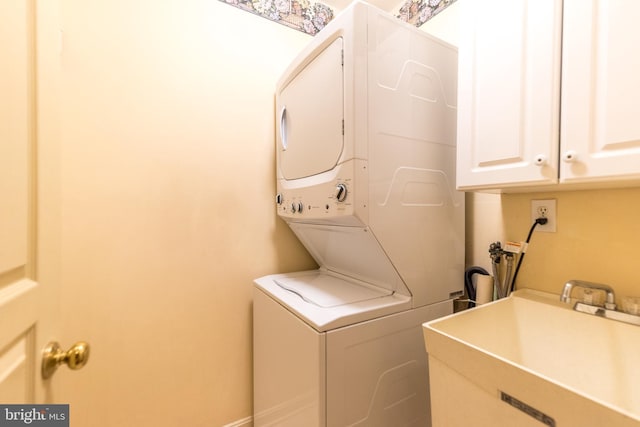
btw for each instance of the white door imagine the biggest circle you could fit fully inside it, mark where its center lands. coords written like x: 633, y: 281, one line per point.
x: 309, y: 128
x: 29, y: 238
x: 600, y: 95
x: 508, y: 105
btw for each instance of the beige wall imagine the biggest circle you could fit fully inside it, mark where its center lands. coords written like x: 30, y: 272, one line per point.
x: 446, y: 24
x: 595, y: 239
x: 167, y: 186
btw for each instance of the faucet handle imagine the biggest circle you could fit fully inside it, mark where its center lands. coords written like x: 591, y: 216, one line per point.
x: 610, y: 303
x: 566, y: 292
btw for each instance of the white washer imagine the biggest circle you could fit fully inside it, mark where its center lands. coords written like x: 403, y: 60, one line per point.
x: 373, y: 372
x: 366, y: 119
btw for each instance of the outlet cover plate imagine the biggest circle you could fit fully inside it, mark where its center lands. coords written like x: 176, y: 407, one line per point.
x: 546, y: 208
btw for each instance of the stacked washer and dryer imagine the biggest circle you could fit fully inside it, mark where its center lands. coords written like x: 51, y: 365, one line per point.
x: 365, y: 135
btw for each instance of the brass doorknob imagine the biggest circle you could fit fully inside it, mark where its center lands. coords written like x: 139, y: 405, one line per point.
x: 53, y: 356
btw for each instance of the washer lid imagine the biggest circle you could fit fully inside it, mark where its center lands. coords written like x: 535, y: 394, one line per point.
x: 328, y: 291
x: 327, y: 300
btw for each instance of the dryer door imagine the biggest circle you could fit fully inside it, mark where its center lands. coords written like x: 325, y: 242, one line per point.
x: 309, y: 122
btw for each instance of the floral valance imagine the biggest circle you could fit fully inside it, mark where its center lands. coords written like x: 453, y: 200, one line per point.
x: 311, y: 16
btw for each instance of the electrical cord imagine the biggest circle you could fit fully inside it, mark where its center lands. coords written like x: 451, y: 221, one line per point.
x: 540, y: 221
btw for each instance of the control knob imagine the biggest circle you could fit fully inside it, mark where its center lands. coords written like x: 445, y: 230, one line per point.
x: 297, y: 207
x: 341, y: 192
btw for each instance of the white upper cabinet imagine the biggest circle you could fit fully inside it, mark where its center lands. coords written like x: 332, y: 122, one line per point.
x: 513, y: 130
x: 600, y: 125
x: 508, y: 93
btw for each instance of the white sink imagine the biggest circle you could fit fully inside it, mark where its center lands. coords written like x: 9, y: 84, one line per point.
x: 554, y: 365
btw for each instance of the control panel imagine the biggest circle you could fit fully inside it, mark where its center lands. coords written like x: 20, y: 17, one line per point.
x: 323, y: 201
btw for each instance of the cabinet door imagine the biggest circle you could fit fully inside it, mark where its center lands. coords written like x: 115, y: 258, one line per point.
x: 508, y: 93
x: 600, y: 130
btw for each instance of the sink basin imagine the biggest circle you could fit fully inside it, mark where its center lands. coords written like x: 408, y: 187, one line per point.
x: 529, y: 360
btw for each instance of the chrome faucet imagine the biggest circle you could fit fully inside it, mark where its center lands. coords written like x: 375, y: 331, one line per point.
x: 610, y: 302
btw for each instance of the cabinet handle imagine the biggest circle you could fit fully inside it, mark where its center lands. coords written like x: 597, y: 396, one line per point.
x: 570, y: 156
x: 540, y: 160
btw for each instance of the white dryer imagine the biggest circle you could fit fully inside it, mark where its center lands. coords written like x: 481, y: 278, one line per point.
x: 366, y: 130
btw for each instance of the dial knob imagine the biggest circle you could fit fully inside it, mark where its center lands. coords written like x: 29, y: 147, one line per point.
x: 341, y: 192
x: 297, y: 207
x: 279, y: 198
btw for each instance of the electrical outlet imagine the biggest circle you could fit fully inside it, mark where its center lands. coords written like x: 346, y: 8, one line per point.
x: 544, y: 209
